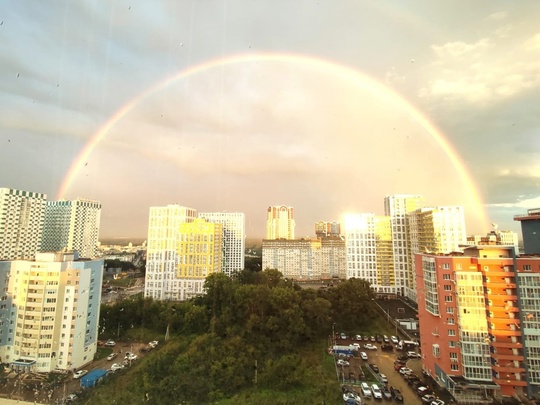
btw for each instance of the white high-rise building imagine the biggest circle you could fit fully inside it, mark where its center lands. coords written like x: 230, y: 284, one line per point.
x: 280, y: 222
x: 396, y: 207
x: 21, y: 223
x: 233, y: 238
x: 162, y: 250
x: 50, y: 311
x: 72, y: 225
x: 360, y: 241
x: 437, y: 230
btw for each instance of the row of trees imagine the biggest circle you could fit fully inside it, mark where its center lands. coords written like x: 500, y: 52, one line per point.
x: 255, y: 323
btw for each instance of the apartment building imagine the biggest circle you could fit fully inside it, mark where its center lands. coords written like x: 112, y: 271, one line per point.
x: 280, y: 222
x: 479, y: 316
x: 72, y: 225
x: 21, y: 223
x: 49, y: 311
x: 234, y: 236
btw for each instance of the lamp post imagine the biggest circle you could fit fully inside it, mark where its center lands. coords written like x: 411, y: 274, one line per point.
x: 333, y: 334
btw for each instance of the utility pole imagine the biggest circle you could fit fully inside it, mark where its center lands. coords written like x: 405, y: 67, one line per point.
x: 255, y: 371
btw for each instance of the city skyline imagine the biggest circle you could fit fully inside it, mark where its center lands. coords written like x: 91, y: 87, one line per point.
x: 233, y: 106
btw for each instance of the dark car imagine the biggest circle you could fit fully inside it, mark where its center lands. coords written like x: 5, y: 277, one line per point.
x: 387, y: 347
x: 398, y: 366
x: 386, y: 392
x: 378, y: 338
x: 144, y: 349
x: 374, y: 367
x: 403, y: 357
x: 396, y: 393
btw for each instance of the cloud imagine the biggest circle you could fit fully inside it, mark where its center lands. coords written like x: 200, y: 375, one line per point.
x: 533, y: 43
x: 482, y: 72
x: 501, y: 15
x: 527, y: 204
x: 457, y: 49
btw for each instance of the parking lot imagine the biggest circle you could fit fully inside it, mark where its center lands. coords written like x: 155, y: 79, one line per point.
x: 359, y: 370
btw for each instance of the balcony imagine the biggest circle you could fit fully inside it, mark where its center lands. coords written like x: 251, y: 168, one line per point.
x: 507, y: 357
x: 505, y: 332
x: 510, y: 345
x: 513, y: 382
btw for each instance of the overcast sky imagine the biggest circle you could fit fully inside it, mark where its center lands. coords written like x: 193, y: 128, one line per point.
x: 319, y: 107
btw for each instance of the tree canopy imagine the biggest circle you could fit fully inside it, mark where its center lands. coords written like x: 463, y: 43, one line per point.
x: 255, y: 322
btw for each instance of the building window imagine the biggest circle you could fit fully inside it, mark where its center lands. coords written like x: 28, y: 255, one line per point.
x: 450, y: 310
x: 452, y: 343
x: 436, y: 351
x: 454, y: 367
x: 448, y: 298
x: 450, y: 321
x: 527, y: 267
x: 451, y: 332
x: 453, y: 357
x: 446, y: 266
x: 446, y: 276
x: 447, y: 287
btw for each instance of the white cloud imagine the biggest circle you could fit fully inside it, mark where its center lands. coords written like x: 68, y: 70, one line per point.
x: 527, y: 204
x: 501, y: 15
x: 482, y: 72
x: 533, y: 43
x: 457, y: 49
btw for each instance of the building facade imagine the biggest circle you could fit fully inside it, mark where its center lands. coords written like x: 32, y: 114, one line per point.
x: 161, y: 256
x: 397, y: 207
x: 433, y: 230
x: 530, y: 229
x: 280, y: 222
x: 324, y: 229
x: 49, y: 312
x: 234, y: 236
x: 295, y: 258
x: 21, y: 223
x: 479, y: 318
x: 72, y: 225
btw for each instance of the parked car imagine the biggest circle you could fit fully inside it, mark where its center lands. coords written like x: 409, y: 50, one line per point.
x: 396, y: 393
x: 343, y: 363
x: 405, y: 370
x: 356, y: 345
x: 369, y: 346
x: 387, y: 347
x: 71, y: 397
x: 428, y: 398
x: 437, y: 402
x: 366, y: 338
x: 153, y: 344
x: 366, y: 391
x: 422, y: 390
x: 144, y: 349
x: 398, y: 365
x: 372, y: 338
x: 343, y: 336
x: 386, y: 392
x: 112, y: 356
x: 377, y: 393
x: 403, y: 357
x: 374, y: 367
x: 346, y: 388
x: 117, y: 366
x: 384, y: 378
x: 363, y: 355
x: 394, y: 340
x: 131, y: 357
x: 80, y: 373
x: 110, y: 343
x: 413, y: 355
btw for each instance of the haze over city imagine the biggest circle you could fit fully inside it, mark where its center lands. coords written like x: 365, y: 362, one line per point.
x: 235, y: 105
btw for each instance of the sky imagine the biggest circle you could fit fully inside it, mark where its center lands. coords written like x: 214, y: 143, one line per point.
x: 325, y: 106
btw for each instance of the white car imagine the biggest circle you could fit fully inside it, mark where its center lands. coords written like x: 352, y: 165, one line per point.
x: 116, y: 366
x: 352, y: 396
x: 369, y: 346
x: 131, y: 356
x: 384, y: 378
x: 71, y: 397
x: 110, y: 343
x: 366, y: 391
x: 153, y: 344
x: 356, y: 345
x: 405, y: 370
x: 112, y: 356
x: 377, y: 393
x: 342, y: 363
x: 363, y: 355
x: 413, y: 355
x: 394, y: 340
x: 80, y: 373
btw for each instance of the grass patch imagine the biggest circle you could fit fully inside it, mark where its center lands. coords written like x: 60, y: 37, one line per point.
x: 102, y: 352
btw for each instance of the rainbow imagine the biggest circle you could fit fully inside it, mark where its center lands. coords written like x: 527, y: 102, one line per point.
x: 354, y: 76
